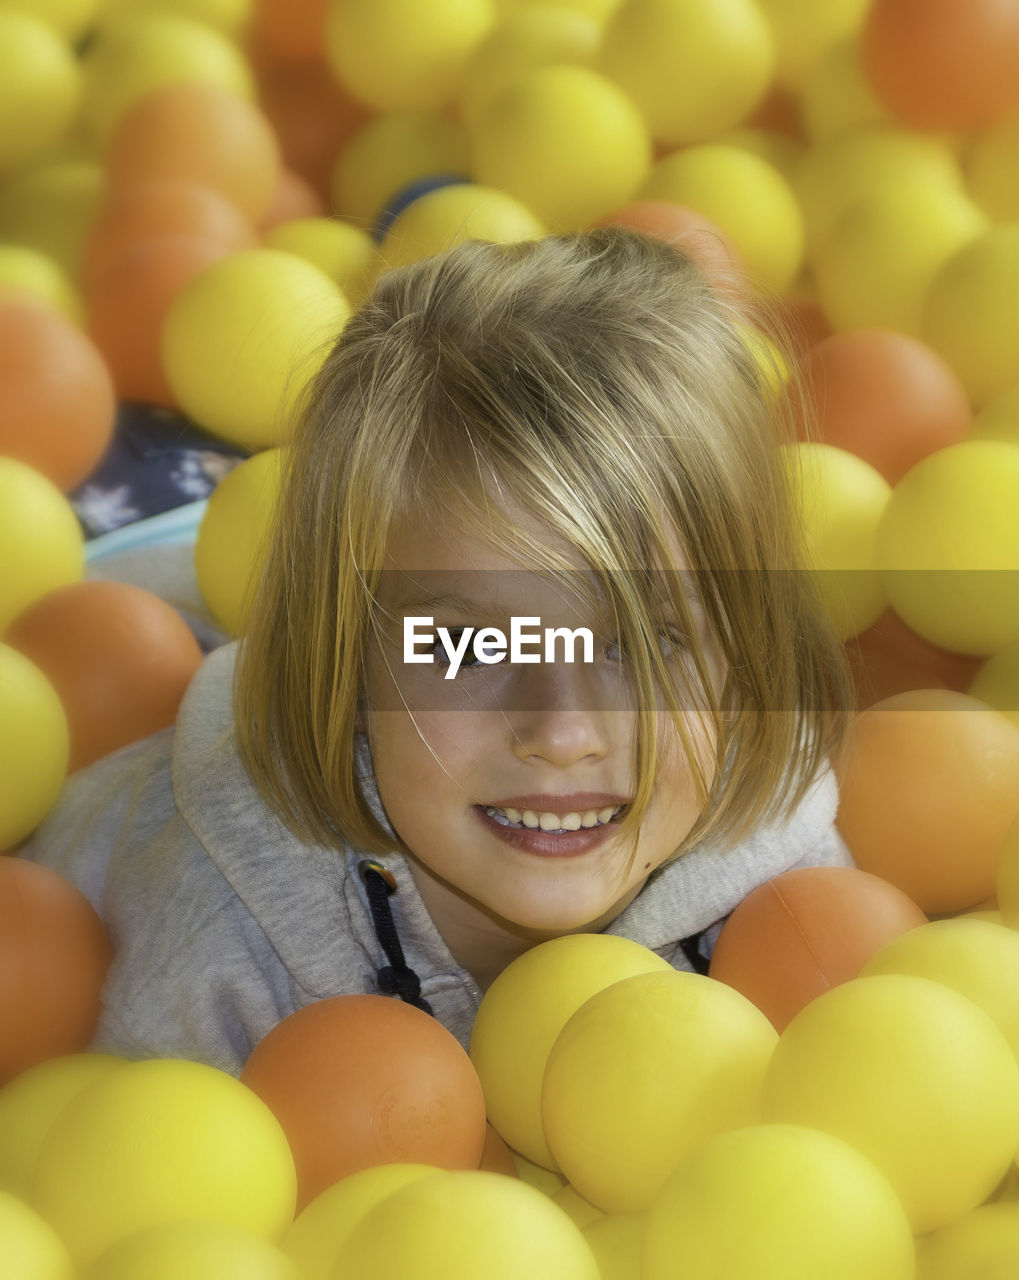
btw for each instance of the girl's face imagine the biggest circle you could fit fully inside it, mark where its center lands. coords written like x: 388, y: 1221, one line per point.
x: 551, y: 737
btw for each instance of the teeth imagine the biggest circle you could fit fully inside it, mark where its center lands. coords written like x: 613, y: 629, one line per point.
x: 553, y: 822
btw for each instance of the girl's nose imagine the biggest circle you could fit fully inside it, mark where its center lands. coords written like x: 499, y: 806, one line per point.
x: 560, y: 716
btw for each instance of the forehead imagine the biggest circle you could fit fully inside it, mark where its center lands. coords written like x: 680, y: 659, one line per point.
x: 441, y: 541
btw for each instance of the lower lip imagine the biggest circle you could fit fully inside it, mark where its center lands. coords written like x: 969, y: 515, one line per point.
x: 542, y: 845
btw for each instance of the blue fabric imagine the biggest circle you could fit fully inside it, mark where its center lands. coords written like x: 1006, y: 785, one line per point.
x: 157, y: 462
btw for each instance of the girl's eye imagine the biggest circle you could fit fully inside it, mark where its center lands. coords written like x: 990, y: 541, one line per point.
x: 671, y: 641
x: 470, y: 660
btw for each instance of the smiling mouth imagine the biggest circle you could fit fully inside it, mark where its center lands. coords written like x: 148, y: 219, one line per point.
x: 590, y: 820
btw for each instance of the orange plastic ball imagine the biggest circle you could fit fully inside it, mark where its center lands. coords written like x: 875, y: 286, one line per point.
x: 711, y: 249
x: 54, y: 954
x: 313, y: 118
x: 119, y: 658
x: 127, y: 304
x: 806, y: 931
x: 943, y: 64
x: 294, y: 197
x: 289, y: 30
x: 57, y: 404
x: 797, y: 323
x: 930, y: 788
x: 496, y: 1156
x: 203, y: 133
x: 162, y: 207
x: 886, y: 397
x: 889, y: 658
x: 363, y: 1080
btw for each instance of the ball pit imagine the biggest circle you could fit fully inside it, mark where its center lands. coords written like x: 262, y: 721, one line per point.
x: 883, y: 396
x: 798, y: 149
x: 914, y: 1076
x: 807, y: 931
x: 56, y: 395
x: 159, y: 1142
x: 119, y: 657
x: 200, y: 133
x: 357, y: 1081
x: 513, y: 1034
x: 929, y: 791
x: 267, y: 316
x: 54, y: 955
x: 617, y: 1134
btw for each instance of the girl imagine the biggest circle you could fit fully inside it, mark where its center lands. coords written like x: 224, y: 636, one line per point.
x: 569, y: 431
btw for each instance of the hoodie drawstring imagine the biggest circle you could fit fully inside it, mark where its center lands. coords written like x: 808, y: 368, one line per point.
x: 397, y: 978
x: 691, y: 948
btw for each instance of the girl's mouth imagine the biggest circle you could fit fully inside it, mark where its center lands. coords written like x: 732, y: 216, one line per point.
x: 559, y: 842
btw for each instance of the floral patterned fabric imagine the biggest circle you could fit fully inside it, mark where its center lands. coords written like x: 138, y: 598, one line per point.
x: 157, y: 460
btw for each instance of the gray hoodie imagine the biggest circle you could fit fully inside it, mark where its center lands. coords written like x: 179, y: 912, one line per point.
x: 223, y: 922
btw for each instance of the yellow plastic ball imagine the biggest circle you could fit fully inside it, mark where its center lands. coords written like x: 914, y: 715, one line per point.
x: 975, y: 958
x: 778, y: 1202
x: 136, y: 54
x: 772, y: 365
x: 998, y: 419
x: 913, y: 1075
x: 41, y: 541
x: 70, y: 19
x: 243, y: 340
x: 231, y: 17
x: 836, y: 94
x: 522, y: 39
x: 390, y: 152
x: 51, y: 208
x: 523, y: 1012
x: 547, y: 1181
x: 993, y: 170
x: 842, y: 500
x: 446, y: 217
x: 40, y: 87
x: 317, y: 1237
x: 948, y: 547
x: 32, y: 276
x: 343, y: 252
x: 780, y: 150
x: 997, y: 682
x: 644, y: 1072
x: 1007, y: 881
x: 29, y: 1106
x: 566, y: 141
x: 850, y: 166
x: 595, y: 10
x: 579, y: 1211
x: 746, y: 197
x: 196, y: 1250
x: 617, y: 1242
x: 404, y: 53
x: 693, y: 69
x: 803, y: 30
x: 875, y: 268
x: 465, y: 1225
x: 984, y: 1244
x: 34, y: 746
x: 232, y: 538
x: 29, y: 1247
x: 163, y: 1141
x: 970, y: 315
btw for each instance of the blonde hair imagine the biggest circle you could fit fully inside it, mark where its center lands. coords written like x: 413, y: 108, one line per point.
x: 605, y: 386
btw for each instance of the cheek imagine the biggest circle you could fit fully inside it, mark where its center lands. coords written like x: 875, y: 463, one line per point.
x: 674, y: 762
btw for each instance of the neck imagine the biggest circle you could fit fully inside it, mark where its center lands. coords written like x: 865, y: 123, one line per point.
x: 481, y: 941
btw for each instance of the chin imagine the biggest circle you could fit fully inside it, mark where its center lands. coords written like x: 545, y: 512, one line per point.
x: 548, y: 919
